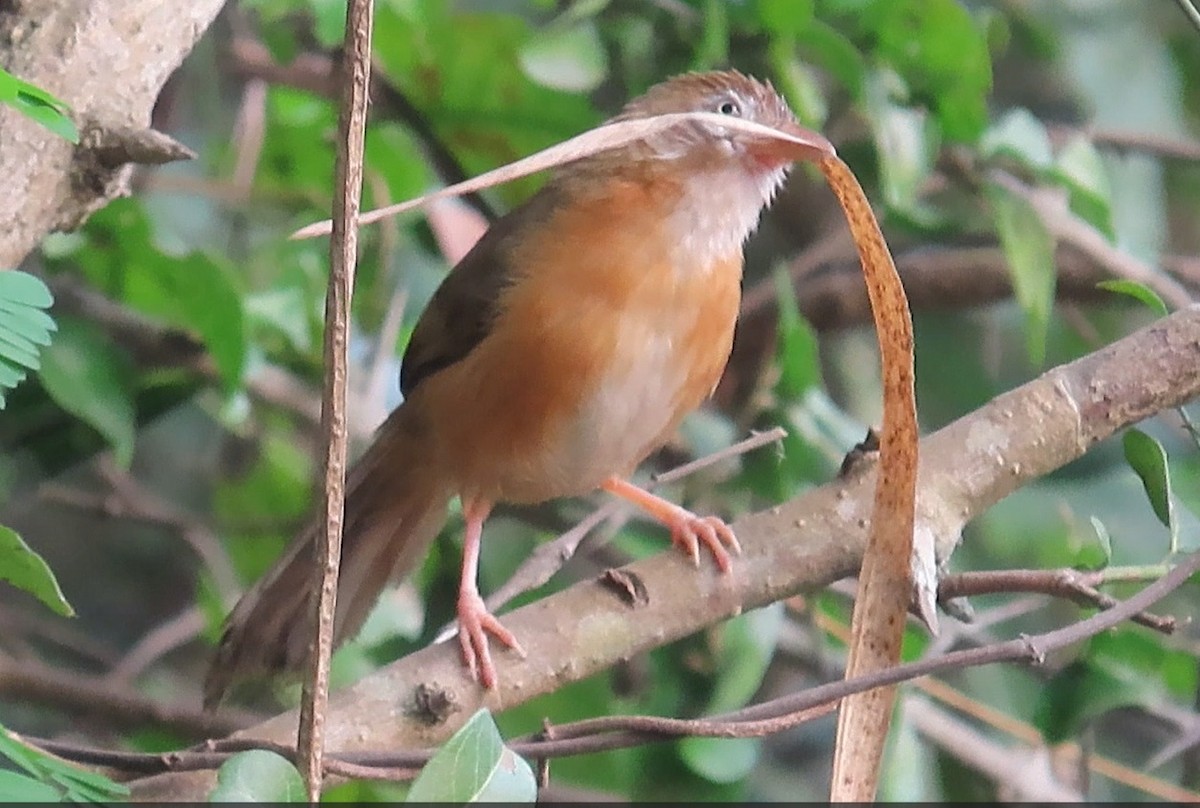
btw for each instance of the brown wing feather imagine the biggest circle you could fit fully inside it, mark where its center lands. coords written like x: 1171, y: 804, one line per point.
x: 462, y: 310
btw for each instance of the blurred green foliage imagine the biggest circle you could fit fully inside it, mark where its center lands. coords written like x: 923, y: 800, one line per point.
x: 198, y: 358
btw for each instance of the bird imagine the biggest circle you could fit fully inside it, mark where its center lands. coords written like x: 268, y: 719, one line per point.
x: 563, y: 349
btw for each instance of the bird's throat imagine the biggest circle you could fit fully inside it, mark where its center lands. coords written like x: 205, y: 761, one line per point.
x: 717, y: 210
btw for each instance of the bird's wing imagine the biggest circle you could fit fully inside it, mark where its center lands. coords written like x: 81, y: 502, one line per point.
x: 463, y: 309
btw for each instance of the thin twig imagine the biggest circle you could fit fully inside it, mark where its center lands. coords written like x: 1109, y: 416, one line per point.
x: 1067, y: 583
x: 343, y: 254
x: 162, y: 639
x: 1020, y: 773
x: 249, y: 132
x: 1187, y: 7
x: 79, y: 695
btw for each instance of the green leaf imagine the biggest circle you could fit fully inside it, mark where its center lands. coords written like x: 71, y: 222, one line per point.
x: 1103, y: 539
x: 713, y: 48
x: 1118, y: 668
x: 720, y: 760
x: 828, y: 47
x: 1021, y: 136
x: 568, y: 58
x: 67, y: 781
x: 942, y: 54
x: 475, y: 766
x: 22, y: 788
x: 1080, y: 168
x: 747, y: 646
x: 25, y: 289
x: 85, y: 375
x: 788, y: 17
x: 1029, y: 248
x: 25, y: 569
x: 1149, y: 461
x: 38, y: 105
x: 907, y: 145
x: 258, y: 775
x: 201, y: 294
x: 330, y: 21
x: 24, y: 326
x: 1136, y: 290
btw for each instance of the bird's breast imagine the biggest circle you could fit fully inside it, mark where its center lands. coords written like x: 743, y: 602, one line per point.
x: 604, y: 342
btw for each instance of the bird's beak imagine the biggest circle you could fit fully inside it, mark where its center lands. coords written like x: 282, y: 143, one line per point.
x: 802, y: 144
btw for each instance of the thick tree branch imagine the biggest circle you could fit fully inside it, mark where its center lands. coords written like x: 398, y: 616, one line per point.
x: 803, y: 544
x: 108, y: 61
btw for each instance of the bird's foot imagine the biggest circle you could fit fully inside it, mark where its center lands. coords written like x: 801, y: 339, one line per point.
x: 475, y: 622
x: 689, y: 531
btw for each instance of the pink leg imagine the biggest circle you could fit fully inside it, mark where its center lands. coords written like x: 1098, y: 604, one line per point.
x: 475, y: 622
x: 687, y: 529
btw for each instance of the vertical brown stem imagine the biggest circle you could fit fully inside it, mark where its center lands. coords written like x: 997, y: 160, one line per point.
x: 343, y: 249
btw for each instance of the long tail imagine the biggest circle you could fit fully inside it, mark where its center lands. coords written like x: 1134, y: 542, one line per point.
x: 395, y: 505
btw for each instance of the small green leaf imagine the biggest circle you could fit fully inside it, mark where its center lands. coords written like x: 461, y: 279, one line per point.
x: 22, y: 788
x: 67, y: 781
x: 38, y: 105
x: 18, y: 350
x: 23, y: 288
x: 33, y: 324
x: 1084, y: 690
x: 1149, y: 461
x: 720, y: 760
x: 831, y: 49
x: 1029, y: 248
x: 284, y: 310
x: 202, y: 294
x: 940, y: 50
x: 1103, y: 539
x: 24, y: 327
x: 10, y: 375
x: 568, y: 58
x: 1021, y: 136
x: 25, y: 569
x: 788, y: 17
x: 258, y: 775
x: 907, y: 143
x: 84, y: 374
x: 1080, y: 168
x: 1136, y: 290
x: 475, y: 766
x: 747, y: 647
x: 330, y: 22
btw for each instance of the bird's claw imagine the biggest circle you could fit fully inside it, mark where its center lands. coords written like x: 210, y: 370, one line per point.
x: 690, y: 531
x: 475, y: 622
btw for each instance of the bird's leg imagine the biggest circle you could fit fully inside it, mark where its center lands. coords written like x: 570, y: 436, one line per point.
x: 687, y: 529
x: 475, y: 622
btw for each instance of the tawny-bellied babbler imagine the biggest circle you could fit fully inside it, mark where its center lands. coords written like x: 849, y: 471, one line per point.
x: 558, y: 354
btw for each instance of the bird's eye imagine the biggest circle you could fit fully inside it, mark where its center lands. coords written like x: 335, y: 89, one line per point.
x: 729, y: 107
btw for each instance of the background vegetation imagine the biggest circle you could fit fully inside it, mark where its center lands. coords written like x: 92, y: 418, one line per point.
x: 164, y: 450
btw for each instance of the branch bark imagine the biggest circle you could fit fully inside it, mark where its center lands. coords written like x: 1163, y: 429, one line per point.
x: 108, y: 61
x: 803, y: 544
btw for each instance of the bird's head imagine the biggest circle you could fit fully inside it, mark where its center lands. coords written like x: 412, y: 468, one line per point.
x: 727, y: 94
